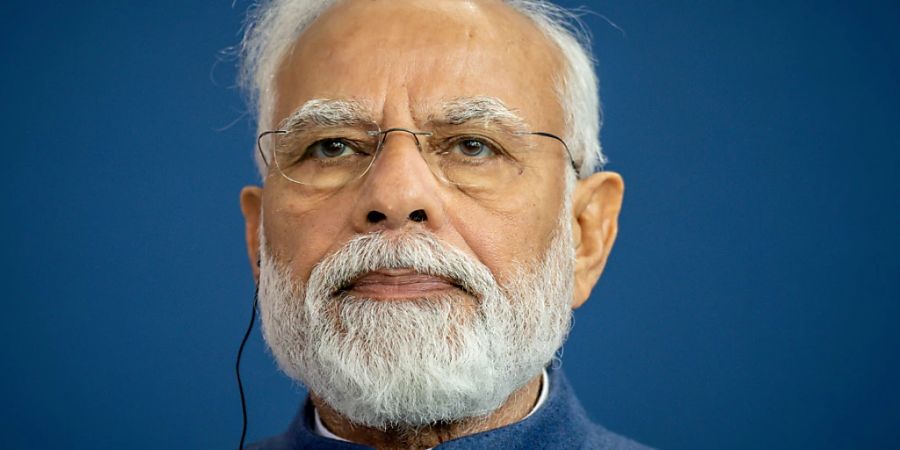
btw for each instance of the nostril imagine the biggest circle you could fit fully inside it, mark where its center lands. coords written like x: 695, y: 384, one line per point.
x: 375, y: 217
x: 418, y: 215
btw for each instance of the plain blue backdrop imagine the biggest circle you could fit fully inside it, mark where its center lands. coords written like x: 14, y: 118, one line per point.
x: 751, y: 300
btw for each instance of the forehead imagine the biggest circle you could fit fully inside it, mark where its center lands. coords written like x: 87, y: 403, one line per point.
x: 411, y: 56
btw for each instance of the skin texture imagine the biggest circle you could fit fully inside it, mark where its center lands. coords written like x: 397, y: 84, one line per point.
x: 404, y: 58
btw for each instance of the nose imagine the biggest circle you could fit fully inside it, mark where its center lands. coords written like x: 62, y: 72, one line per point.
x: 399, y: 190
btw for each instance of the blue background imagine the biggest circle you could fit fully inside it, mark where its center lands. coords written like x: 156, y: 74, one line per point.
x: 751, y: 300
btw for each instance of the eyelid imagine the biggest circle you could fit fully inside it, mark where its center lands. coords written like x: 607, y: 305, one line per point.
x: 358, y: 138
x: 496, y: 147
x: 353, y: 144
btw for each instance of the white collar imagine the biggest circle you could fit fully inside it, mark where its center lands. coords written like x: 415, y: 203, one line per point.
x: 542, y: 397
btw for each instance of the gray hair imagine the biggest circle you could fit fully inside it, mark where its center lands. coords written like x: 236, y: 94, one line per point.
x: 272, y: 26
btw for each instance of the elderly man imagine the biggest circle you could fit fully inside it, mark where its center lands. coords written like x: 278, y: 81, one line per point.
x: 429, y: 218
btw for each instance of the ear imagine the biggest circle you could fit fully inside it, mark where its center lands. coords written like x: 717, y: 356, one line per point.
x: 596, y: 205
x: 251, y: 206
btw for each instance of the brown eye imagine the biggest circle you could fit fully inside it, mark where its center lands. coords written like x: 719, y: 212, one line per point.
x: 474, y: 148
x: 329, y: 148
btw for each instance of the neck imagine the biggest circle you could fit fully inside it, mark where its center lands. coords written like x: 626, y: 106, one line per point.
x: 516, y: 407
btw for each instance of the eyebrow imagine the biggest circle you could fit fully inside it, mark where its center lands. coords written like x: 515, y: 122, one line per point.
x: 328, y: 113
x: 484, y: 110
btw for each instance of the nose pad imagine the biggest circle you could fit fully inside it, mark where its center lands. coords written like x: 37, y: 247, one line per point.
x: 417, y: 137
x: 383, y: 135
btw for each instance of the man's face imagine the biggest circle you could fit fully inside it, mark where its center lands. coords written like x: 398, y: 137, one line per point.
x: 404, y: 60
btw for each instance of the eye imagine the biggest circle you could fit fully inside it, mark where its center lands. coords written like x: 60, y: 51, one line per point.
x: 474, y: 148
x: 329, y: 148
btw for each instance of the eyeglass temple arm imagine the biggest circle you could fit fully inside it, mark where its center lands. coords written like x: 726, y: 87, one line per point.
x: 561, y: 141
x: 262, y: 154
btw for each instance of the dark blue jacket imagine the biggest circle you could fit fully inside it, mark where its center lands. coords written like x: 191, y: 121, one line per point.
x: 560, y: 423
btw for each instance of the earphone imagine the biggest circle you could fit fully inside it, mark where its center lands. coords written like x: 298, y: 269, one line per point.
x: 237, y: 364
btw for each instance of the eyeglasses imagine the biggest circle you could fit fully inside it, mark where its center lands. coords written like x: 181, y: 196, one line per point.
x: 466, y: 155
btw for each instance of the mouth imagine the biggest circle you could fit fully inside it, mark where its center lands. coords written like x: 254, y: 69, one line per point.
x: 398, y: 285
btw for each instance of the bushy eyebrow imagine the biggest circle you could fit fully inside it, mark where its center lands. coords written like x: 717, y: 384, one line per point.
x: 328, y: 113
x: 486, y: 111
x: 480, y: 110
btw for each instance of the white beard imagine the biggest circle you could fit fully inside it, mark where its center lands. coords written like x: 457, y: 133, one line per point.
x: 417, y: 362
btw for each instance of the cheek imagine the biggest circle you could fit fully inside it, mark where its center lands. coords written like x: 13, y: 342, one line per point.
x: 518, y: 233
x: 301, y: 233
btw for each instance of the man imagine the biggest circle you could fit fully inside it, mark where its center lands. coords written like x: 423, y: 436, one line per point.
x: 429, y: 218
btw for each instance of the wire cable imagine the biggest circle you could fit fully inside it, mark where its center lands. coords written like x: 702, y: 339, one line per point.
x: 237, y: 367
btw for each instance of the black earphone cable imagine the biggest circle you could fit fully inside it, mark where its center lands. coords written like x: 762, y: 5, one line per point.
x: 237, y: 367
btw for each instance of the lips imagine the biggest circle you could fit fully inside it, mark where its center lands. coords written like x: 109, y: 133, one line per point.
x: 398, y: 284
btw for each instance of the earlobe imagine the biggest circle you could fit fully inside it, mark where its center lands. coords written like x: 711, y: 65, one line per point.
x: 596, y: 205
x: 251, y: 207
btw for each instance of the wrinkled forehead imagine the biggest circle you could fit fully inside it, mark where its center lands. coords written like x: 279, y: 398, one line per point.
x: 408, y: 58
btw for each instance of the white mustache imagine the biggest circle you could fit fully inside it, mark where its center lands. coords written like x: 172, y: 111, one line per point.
x: 418, y: 251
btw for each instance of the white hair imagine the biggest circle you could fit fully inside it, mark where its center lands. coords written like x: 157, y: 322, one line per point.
x: 404, y: 365
x: 273, y: 26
